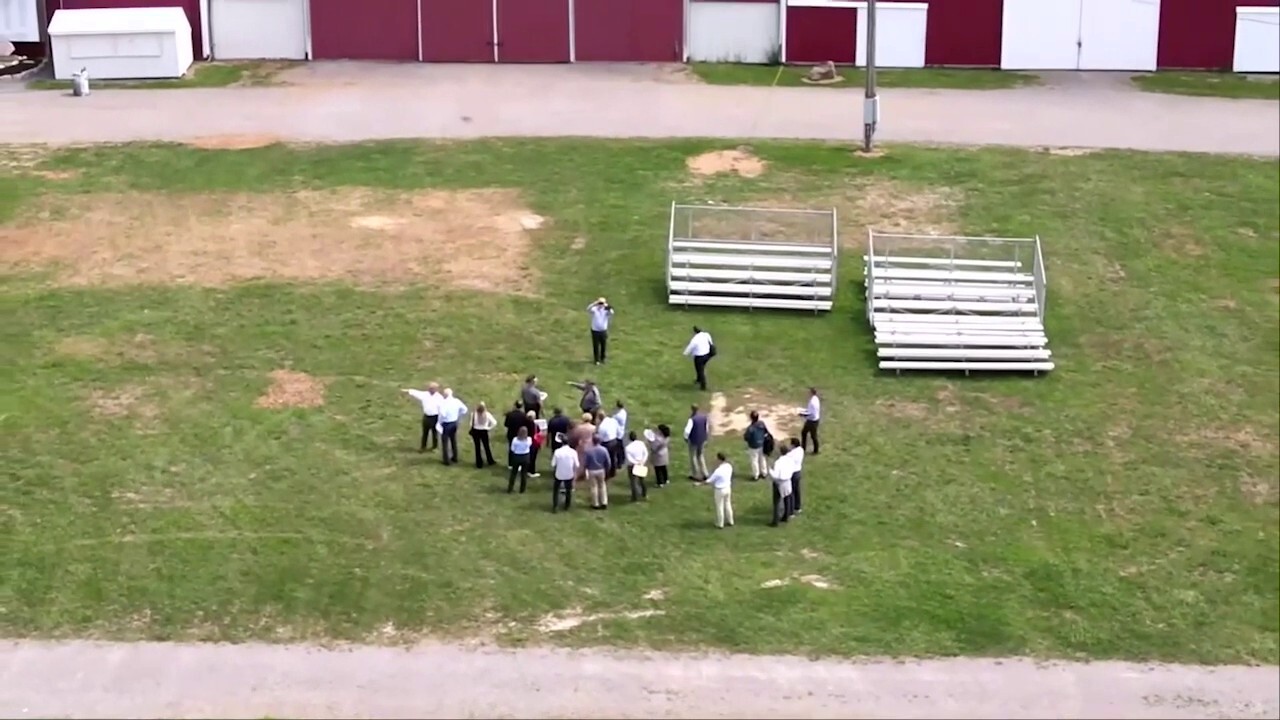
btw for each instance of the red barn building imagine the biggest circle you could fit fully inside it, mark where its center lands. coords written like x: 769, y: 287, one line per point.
x: 1132, y: 35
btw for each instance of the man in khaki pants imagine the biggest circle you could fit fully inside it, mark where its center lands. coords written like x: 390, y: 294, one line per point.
x: 597, y: 463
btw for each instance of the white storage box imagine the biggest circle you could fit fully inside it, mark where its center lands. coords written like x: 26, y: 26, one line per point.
x: 121, y: 43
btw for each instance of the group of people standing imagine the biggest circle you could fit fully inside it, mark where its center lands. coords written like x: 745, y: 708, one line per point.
x: 597, y: 445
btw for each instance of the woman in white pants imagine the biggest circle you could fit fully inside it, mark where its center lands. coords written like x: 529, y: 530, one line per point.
x: 721, y: 481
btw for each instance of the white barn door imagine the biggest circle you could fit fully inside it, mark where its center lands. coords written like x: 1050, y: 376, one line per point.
x: 1119, y: 34
x: 1041, y: 35
x: 258, y: 29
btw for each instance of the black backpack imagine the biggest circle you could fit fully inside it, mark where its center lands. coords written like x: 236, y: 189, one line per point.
x: 769, y: 444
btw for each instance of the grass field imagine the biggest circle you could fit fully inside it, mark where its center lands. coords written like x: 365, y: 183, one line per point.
x: 213, y: 74
x: 793, y: 76
x: 1209, y: 84
x: 203, y: 437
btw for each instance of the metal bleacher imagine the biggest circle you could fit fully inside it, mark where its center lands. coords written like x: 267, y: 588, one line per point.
x: 957, y: 303
x: 752, y: 258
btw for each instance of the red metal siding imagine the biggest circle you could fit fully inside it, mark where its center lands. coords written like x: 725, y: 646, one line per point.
x: 816, y: 35
x: 1200, y: 34
x: 964, y: 33
x: 457, y: 31
x: 29, y: 49
x: 533, y: 31
x: 364, y: 30
x: 190, y: 7
x: 629, y: 30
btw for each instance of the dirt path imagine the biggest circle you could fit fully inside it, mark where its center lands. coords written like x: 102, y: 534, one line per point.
x: 81, y: 679
x: 345, y: 102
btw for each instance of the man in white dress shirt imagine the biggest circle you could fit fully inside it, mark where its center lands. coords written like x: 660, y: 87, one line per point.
x: 795, y: 458
x: 609, y: 436
x: 565, y: 467
x: 812, y: 416
x: 620, y: 414
x: 701, y: 348
x: 782, y: 490
x: 601, y: 313
x: 721, y: 481
x: 451, y: 411
x: 430, y: 399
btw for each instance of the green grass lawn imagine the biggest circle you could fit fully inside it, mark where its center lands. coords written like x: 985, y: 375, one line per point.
x: 793, y: 76
x: 1124, y: 506
x: 1210, y: 84
x: 200, y: 75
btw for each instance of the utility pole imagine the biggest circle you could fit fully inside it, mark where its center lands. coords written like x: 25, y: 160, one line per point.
x: 871, y: 104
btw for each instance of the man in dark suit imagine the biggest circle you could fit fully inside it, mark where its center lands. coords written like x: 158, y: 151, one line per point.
x: 558, y: 427
x: 514, y: 420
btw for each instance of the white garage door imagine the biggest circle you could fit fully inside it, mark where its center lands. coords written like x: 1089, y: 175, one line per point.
x: 258, y: 29
x: 1119, y: 34
x: 1041, y: 35
x: 1080, y: 34
x: 1257, y: 40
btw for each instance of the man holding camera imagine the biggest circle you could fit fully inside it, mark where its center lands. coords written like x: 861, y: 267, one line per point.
x: 601, y: 313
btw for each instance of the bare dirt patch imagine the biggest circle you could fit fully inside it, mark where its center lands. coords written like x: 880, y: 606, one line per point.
x: 143, y: 403
x: 139, y: 348
x: 570, y: 619
x: 739, y: 161
x: 1181, y: 241
x: 579, y: 243
x: 131, y: 400
x: 886, y: 206
x: 732, y: 418
x: 905, y: 409
x: 816, y: 581
x: 1242, y: 439
x: 1068, y: 151
x: 56, y: 174
x: 893, y: 207
x: 234, y: 142
x: 144, y: 498
x: 476, y: 239
x: 292, y: 389
x: 1259, y: 491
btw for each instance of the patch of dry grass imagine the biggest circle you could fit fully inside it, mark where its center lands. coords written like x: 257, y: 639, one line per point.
x: 472, y: 239
x: 741, y: 162
x: 292, y: 389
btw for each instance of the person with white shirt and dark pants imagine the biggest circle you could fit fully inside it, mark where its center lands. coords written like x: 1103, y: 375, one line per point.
x: 812, y: 416
x: 609, y: 436
x: 620, y: 414
x: 565, y: 467
x: 782, y: 490
x: 721, y: 481
x: 430, y: 399
x: 451, y: 411
x: 482, y: 422
x: 637, y: 459
x: 795, y: 459
x: 601, y: 313
x: 701, y: 348
x: 518, y: 460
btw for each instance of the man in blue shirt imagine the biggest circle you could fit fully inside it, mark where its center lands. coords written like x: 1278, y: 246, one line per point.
x: 598, y: 464
x: 601, y: 313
